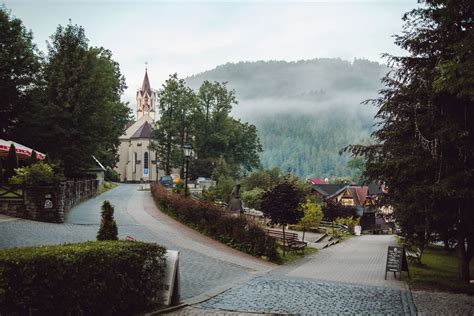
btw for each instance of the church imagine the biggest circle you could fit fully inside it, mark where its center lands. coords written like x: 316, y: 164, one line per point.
x: 136, y: 161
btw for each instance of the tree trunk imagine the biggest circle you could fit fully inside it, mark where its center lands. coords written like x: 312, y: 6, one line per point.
x: 463, y: 257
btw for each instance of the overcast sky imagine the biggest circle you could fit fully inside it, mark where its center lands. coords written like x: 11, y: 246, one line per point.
x: 191, y: 37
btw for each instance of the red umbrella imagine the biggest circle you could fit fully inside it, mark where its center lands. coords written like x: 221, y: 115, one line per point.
x: 22, y: 152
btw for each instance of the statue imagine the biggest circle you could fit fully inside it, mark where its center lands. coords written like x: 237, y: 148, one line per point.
x: 235, y: 202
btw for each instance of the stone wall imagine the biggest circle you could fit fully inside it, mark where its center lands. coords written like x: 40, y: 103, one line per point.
x: 49, y: 203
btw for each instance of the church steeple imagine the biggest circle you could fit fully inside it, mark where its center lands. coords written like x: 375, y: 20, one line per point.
x: 146, y: 99
x: 146, y: 84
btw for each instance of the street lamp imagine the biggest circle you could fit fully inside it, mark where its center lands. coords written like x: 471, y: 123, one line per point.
x: 187, y: 153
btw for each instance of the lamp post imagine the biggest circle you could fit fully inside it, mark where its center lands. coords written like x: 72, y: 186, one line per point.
x: 187, y: 153
x: 157, y: 168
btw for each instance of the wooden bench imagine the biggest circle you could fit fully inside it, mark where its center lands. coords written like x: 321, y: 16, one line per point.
x: 290, y: 241
x: 414, y: 256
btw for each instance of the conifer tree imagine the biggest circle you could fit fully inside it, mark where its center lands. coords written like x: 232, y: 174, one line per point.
x: 425, y: 141
x: 11, y: 163
x: 108, y: 226
x: 33, y: 158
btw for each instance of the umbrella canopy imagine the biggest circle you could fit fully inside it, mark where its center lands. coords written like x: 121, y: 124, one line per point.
x: 22, y: 151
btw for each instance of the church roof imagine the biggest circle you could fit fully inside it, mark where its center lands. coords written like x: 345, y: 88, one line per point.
x: 146, y: 84
x: 143, y: 131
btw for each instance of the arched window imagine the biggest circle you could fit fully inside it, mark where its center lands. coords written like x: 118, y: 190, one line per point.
x: 145, y: 160
x: 135, y: 162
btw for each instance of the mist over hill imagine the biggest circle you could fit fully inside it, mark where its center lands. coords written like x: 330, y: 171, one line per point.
x: 305, y: 111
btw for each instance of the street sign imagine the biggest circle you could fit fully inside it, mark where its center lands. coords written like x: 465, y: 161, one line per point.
x: 396, y: 261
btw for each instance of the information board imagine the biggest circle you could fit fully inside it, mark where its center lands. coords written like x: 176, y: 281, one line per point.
x: 396, y: 261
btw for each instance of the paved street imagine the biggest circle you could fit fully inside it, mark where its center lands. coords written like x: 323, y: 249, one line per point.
x: 204, y: 263
x: 346, y: 278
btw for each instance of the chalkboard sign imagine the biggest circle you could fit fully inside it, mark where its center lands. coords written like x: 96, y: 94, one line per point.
x: 396, y: 261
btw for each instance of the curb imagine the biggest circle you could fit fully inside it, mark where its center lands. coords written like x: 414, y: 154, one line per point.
x: 205, y: 296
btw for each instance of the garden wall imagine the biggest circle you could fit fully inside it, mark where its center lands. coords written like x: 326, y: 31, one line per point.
x: 46, y: 203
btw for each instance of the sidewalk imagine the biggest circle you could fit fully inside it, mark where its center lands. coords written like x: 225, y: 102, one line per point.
x: 347, y: 278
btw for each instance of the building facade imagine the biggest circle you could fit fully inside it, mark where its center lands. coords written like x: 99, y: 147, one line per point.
x: 136, y: 161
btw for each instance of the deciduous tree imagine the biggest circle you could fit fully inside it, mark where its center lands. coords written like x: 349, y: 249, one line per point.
x: 19, y: 71
x: 283, y: 204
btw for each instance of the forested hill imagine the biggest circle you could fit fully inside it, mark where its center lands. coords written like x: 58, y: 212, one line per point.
x: 305, y: 111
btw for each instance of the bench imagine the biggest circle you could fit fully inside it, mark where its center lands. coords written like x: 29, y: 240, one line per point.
x: 290, y: 241
x: 414, y: 256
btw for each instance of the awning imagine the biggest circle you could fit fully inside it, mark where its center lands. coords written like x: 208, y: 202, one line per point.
x: 22, y: 152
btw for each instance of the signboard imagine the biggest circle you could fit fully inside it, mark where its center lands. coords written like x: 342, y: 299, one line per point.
x: 396, y: 261
x: 171, y: 293
x: 145, y: 172
x: 357, y: 230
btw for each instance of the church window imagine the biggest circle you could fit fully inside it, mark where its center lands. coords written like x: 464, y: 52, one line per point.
x: 145, y: 160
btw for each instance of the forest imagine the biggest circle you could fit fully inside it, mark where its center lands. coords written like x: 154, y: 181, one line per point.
x: 305, y: 111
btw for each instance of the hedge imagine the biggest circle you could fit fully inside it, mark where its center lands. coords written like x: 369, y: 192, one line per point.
x: 105, y: 277
x: 235, y: 231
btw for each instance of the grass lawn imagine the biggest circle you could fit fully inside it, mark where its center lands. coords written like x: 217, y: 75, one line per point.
x: 292, y: 255
x: 106, y: 186
x: 438, y: 272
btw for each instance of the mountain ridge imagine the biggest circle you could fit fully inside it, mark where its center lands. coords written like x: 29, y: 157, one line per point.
x: 305, y: 111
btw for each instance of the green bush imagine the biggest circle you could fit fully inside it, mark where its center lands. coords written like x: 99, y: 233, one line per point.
x: 106, y: 277
x: 112, y: 175
x: 108, y: 226
x: 253, y: 198
x: 235, y: 231
x: 350, y: 222
x: 39, y: 173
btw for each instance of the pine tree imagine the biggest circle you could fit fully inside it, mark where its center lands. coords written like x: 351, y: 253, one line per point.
x: 11, y: 163
x: 108, y: 226
x: 33, y: 158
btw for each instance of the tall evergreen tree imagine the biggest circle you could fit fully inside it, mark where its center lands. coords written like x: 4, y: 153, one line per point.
x: 426, y: 139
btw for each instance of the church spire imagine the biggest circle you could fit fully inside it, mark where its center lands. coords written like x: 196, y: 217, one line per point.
x: 146, y: 84
x: 146, y: 99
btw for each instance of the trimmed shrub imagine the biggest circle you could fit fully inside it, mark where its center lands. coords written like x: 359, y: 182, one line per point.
x: 106, y: 277
x: 39, y: 173
x: 235, y: 231
x: 108, y: 226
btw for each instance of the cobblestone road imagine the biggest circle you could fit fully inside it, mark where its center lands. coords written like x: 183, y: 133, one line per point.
x: 309, y: 297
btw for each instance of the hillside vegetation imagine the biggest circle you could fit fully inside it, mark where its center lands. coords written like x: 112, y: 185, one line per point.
x: 305, y: 111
